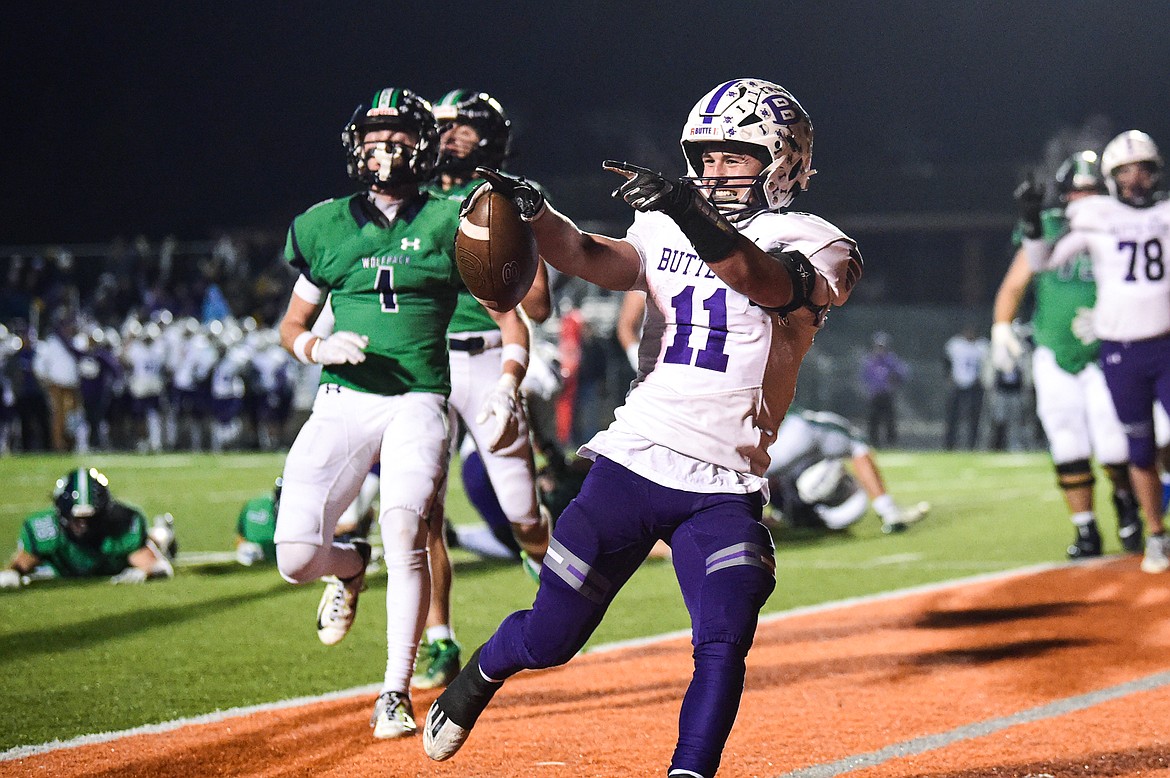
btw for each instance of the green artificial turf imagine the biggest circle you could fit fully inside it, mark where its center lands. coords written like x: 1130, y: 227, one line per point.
x: 79, y: 657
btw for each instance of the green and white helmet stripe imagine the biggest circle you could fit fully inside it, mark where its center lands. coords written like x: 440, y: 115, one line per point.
x: 385, y: 98
x: 447, y: 107
x: 81, y: 488
x: 83, y: 505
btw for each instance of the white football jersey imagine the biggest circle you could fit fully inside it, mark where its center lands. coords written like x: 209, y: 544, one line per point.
x: 716, y: 372
x: 807, y: 437
x: 271, y: 366
x: 146, y: 361
x: 1130, y: 249
x: 227, y: 379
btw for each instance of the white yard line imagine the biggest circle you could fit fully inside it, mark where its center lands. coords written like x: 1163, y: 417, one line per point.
x: 920, y: 745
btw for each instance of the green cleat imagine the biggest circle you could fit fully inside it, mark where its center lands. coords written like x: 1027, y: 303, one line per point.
x: 438, y: 664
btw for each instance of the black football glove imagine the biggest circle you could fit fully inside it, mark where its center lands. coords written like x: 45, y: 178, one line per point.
x: 708, y: 230
x: 645, y: 190
x: 1029, y: 197
x: 528, y: 199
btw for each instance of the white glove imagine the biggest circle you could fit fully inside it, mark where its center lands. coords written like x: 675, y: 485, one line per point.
x: 131, y: 575
x: 1082, y: 326
x: 249, y: 553
x: 9, y: 579
x: 340, y: 347
x: 1005, y: 347
x: 500, y: 414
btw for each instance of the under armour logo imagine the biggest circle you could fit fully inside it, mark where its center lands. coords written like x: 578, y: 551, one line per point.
x: 411, y: 244
x: 332, y: 388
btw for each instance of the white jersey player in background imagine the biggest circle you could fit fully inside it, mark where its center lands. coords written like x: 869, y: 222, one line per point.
x: 145, y: 360
x: 1127, y: 236
x: 809, y: 481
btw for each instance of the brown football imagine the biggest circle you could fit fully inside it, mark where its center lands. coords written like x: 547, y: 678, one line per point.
x: 495, y: 251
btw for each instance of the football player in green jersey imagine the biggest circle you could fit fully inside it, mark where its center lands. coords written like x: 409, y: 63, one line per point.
x: 256, y: 526
x: 87, y: 533
x: 475, y: 131
x: 1072, y: 400
x: 385, y: 258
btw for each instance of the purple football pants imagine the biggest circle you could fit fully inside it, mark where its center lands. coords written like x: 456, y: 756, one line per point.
x: 1138, y: 373
x: 724, y: 563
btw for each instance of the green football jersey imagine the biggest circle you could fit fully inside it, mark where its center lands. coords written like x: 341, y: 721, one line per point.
x: 1059, y: 293
x: 125, y: 533
x: 257, y: 523
x: 395, y: 284
x: 470, y: 315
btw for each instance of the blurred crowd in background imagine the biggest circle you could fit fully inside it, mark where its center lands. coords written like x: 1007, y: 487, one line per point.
x: 162, y: 347
x: 141, y: 346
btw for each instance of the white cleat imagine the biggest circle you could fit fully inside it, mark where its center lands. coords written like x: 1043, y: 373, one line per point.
x: 393, y: 716
x: 906, y: 517
x: 338, y: 606
x: 1157, y: 558
x: 442, y: 738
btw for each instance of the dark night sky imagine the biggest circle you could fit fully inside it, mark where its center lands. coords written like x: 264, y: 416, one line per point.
x: 183, y: 118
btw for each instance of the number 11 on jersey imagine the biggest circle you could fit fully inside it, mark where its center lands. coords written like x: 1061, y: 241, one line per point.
x: 711, y: 356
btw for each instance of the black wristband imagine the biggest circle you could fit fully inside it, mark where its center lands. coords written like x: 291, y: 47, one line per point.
x: 708, y: 230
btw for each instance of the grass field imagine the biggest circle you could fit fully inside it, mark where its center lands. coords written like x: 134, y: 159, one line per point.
x: 84, y: 657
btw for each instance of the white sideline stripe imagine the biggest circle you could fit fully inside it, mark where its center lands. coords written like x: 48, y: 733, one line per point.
x: 195, y: 558
x: 926, y: 743
x: 20, y: 752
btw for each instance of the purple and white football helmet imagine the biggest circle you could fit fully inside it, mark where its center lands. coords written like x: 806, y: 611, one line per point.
x: 759, y: 118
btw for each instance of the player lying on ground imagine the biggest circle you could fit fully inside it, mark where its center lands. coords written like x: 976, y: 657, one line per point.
x: 89, y: 533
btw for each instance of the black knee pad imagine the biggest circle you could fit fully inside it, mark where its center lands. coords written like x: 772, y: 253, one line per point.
x: 1070, y: 475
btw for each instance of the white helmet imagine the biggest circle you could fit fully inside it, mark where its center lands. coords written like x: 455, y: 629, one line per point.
x: 833, y: 493
x: 764, y: 117
x: 1128, y: 147
x: 825, y: 482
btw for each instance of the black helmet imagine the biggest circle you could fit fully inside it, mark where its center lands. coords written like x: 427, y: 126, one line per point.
x: 483, y: 113
x: 82, y: 497
x: 1079, y: 173
x: 392, y: 109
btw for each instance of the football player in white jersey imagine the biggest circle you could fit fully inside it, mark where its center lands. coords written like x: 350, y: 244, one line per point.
x: 1072, y: 400
x: 737, y: 286
x: 1127, y: 235
x: 810, y: 485
x: 145, y: 361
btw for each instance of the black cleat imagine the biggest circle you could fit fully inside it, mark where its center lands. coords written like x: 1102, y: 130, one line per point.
x: 1129, y: 523
x: 451, y: 717
x: 1087, y: 542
